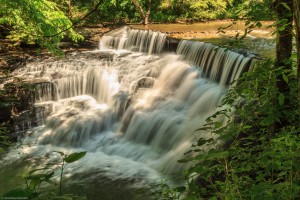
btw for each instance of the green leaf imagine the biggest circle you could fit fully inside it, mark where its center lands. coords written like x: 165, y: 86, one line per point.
x: 281, y: 99
x: 50, y: 175
x: 188, y: 152
x: 214, y: 154
x: 286, y: 6
x: 246, y: 127
x: 218, y: 124
x: 19, y: 192
x: 285, y: 78
x: 35, y: 177
x: 74, y: 157
x: 201, y: 142
x: 35, y: 170
x: 180, y: 189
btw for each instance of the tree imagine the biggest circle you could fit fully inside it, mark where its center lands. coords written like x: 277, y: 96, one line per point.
x: 207, y: 9
x: 296, y: 6
x: 196, y: 9
x: 36, y: 21
x: 144, y: 14
x: 254, y: 10
x: 284, y: 45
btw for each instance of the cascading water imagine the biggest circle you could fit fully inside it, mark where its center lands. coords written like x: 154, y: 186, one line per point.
x: 134, y: 40
x: 217, y: 64
x: 134, y: 113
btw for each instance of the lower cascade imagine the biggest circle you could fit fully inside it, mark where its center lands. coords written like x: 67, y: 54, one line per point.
x: 131, y: 106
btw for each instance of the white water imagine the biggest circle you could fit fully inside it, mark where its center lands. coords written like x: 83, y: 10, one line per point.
x: 134, y: 113
x: 217, y: 64
x: 134, y: 40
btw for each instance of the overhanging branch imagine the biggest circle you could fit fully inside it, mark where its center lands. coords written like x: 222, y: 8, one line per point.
x: 77, y: 22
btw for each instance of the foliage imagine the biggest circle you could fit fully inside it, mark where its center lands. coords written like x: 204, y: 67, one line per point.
x: 164, y: 192
x: 193, y: 9
x: 47, y: 22
x: 4, y: 139
x: 117, y: 11
x: 36, y: 22
x: 251, y: 9
x: 208, y: 9
x: 37, y: 177
x: 247, y: 161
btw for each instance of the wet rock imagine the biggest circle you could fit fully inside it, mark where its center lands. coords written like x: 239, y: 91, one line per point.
x: 16, y: 105
x: 171, y: 44
x: 144, y: 82
x: 56, y: 75
x: 99, y: 55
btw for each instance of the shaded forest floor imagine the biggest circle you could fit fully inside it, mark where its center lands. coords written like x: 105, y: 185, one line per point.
x: 12, y: 56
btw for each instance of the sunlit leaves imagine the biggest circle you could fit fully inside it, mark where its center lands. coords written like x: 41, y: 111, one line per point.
x: 254, y: 10
x: 206, y: 9
x: 36, y: 21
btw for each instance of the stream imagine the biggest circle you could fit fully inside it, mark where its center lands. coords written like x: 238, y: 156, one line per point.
x: 131, y: 105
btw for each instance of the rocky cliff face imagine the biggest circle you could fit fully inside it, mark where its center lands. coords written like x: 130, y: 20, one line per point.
x: 16, y: 105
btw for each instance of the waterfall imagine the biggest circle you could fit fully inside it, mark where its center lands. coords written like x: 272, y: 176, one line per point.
x: 217, y: 64
x: 133, y: 109
x: 134, y: 40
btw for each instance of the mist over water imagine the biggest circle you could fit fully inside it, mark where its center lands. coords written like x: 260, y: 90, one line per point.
x: 131, y: 106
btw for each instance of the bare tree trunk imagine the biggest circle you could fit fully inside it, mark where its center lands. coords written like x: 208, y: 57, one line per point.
x: 69, y: 9
x: 144, y: 16
x: 146, y: 20
x: 297, y: 27
x: 284, y: 11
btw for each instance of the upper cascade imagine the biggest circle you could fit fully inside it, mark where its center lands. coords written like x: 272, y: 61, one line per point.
x: 134, y: 40
x: 216, y: 63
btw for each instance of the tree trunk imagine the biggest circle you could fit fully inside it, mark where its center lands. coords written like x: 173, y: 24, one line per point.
x: 69, y: 12
x: 284, y: 11
x: 147, y: 16
x: 297, y: 28
x: 146, y: 19
x: 144, y: 16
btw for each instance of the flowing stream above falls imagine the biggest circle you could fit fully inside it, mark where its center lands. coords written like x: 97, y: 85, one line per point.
x: 130, y: 104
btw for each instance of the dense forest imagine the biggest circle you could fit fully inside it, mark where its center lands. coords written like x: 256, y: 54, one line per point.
x: 47, y: 22
x: 252, y: 153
